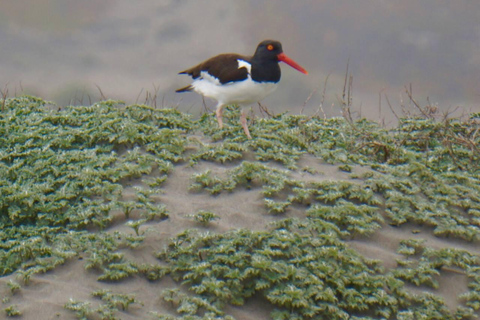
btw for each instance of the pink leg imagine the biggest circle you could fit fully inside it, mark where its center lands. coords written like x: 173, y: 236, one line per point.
x: 243, y: 120
x: 219, y: 113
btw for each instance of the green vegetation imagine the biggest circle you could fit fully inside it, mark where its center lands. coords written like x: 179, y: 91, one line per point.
x: 305, y: 270
x: 204, y: 217
x: 65, y: 171
x: 13, y: 286
x: 12, y: 311
x: 67, y: 176
x: 107, y: 309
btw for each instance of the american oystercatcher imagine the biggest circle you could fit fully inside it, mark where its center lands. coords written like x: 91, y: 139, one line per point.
x: 241, y: 80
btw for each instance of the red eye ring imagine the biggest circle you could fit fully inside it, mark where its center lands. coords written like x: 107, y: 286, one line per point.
x: 270, y: 47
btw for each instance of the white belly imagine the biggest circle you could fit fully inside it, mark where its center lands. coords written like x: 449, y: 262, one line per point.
x: 241, y: 92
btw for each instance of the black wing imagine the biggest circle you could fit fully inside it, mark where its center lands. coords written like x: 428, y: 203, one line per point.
x: 224, y: 67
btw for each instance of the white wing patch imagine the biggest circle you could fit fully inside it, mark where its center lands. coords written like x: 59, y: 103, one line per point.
x: 204, y: 75
x: 244, y: 64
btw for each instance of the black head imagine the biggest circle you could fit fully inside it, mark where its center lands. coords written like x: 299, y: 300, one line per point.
x: 268, y: 50
x: 268, y: 54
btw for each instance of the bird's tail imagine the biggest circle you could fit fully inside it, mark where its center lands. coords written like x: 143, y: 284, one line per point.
x: 185, y: 89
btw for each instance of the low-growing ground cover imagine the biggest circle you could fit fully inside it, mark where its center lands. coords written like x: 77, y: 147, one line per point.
x: 88, y: 185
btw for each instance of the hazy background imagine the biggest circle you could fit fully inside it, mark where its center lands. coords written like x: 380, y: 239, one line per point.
x: 62, y: 50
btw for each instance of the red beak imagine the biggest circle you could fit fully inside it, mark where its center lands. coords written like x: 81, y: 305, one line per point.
x: 283, y: 57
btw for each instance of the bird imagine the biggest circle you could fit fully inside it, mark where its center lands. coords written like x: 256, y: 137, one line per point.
x: 234, y: 79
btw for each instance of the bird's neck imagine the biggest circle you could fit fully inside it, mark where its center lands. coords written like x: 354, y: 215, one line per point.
x: 264, y: 70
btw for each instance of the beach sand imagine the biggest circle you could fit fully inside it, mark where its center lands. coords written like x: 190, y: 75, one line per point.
x: 45, y: 295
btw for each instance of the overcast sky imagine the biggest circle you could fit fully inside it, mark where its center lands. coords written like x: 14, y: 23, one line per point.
x: 63, y: 49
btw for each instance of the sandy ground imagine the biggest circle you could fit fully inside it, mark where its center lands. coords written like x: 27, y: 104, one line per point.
x: 44, y: 297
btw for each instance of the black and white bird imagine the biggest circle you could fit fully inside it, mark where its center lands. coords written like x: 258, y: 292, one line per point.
x: 233, y: 79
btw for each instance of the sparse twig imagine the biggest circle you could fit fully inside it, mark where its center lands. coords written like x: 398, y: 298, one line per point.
x: 151, y: 99
x: 83, y: 94
x: 265, y: 110
x: 102, y: 96
x: 391, y: 108
x: 76, y: 99
x: 138, y: 96
x: 378, y: 146
x: 308, y: 98
x: 154, y: 98
x: 320, y: 107
x: 205, y: 108
x: 345, y: 81
x: 408, y: 91
x: 4, y: 94
x: 447, y: 113
x: 346, y: 100
x: 380, y: 105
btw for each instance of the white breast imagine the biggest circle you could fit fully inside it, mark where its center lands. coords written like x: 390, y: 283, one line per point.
x: 239, y: 92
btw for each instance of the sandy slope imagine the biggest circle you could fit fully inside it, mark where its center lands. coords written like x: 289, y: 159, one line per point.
x: 46, y: 294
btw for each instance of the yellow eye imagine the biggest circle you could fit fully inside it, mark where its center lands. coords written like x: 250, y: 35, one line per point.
x: 270, y: 47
